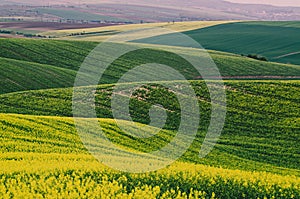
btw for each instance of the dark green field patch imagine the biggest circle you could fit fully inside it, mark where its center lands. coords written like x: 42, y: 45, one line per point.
x: 270, y: 39
x: 21, y: 75
x: 64, y: 54
x: 71, y: 54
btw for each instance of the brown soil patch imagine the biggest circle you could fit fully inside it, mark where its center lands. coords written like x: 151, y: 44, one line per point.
x: 47, y: 26
x: 10, y: 36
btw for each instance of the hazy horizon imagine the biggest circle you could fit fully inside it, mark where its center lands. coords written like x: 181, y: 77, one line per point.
x: 294, y: 3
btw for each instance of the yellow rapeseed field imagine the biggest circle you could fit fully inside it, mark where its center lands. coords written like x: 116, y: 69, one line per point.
x: 81, y: 176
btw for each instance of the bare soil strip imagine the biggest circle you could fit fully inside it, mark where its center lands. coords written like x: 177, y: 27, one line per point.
x: 47, y: 26
x: 286, y: 55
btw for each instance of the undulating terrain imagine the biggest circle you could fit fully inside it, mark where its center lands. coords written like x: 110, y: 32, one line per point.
x: 257, y: 155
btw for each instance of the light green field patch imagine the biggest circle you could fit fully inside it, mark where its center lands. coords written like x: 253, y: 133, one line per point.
x: 178, y: 26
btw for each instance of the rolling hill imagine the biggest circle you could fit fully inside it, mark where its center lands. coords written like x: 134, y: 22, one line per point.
x: 278, y: 41
x: 42, y: 154
x: 257, y: 128
x: 19, y: 75
x: 53, y: 64
x: 63, y: 54
x: 256, y: 156
x: 43, y: 157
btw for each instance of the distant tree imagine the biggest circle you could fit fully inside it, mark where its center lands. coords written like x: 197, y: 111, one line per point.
x: 255, y: 56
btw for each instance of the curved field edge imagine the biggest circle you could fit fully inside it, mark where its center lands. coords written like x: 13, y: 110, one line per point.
x: 102, y: 33
x: 19, y: 75
x: 64, y: 54
x: 27, y: 139
x: 61, y: 59
x: 71, y: 54
x: 258, y: 134
x: 273, y: 40
x: 180, y: 180
x: 43, y: 157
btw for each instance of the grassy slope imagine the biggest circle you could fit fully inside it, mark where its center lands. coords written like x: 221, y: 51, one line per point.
x: 258, y: 134
x: 270, y: 39
x: 38, y: 64
x: 69, y: 55
x: 21, y: 75
x: 63, y: 54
